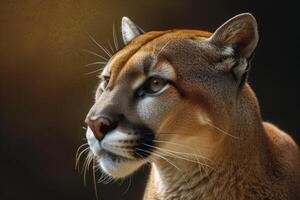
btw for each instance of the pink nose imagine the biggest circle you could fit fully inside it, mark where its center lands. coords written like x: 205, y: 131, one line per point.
x: 98, y: 126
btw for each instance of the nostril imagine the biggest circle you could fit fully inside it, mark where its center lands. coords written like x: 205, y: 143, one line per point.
x: 105, y: 121
x: 107, y: 126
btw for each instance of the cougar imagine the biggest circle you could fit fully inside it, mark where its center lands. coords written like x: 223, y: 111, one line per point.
x: 179, y: 100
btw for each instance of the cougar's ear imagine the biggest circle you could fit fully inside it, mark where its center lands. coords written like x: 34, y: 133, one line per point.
x: 239, y: 33
x: 238, y: 37
x: 129, y: 30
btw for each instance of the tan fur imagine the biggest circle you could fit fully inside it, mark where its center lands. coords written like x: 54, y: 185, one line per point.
x: 230, y: 153
x: 264, y: 164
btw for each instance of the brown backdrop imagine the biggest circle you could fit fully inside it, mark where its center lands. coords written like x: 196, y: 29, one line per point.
x: 45, y: 93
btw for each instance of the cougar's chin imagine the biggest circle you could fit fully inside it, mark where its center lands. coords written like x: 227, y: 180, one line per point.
x: 116, y: 166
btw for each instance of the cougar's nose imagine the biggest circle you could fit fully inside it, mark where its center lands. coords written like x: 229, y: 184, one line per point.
x: 100, y: 126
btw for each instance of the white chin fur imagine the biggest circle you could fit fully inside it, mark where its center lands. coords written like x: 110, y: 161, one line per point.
x: 93, y: 142
x: 118, y: 168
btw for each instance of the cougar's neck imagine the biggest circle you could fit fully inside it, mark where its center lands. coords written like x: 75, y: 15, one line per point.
x: 234, y: 160
x: 246, y: 125
x: 178, y: 180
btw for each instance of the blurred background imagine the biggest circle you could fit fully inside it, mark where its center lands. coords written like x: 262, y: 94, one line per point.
x: 46, y: 93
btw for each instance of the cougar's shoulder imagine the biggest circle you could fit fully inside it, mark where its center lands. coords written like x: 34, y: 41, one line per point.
x: 284, y: 159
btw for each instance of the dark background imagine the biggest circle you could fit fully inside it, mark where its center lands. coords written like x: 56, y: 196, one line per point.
x: 45, y: 93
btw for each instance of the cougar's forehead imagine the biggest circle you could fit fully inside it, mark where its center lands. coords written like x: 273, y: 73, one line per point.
x: 119, y: 61
x: 142, y: 53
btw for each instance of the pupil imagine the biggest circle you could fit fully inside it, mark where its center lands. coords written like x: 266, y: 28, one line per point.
x: 156, y: 82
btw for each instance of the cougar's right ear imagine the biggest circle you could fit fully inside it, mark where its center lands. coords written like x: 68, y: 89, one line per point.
x: 129, y: 30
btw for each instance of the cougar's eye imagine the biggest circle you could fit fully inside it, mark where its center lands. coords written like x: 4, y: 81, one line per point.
x: 155, y: 85
x: 152, y: 86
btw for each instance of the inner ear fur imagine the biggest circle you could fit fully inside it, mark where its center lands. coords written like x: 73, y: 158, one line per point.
x: 129, y: 30
x: 239, y: 33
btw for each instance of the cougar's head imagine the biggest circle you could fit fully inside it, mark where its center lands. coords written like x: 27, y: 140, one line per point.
x: 173, y: 90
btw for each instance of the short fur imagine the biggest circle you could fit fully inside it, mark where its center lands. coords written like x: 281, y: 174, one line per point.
x: 208, y: 121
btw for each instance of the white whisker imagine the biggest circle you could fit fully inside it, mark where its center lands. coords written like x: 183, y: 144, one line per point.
x: 222, y: 131
x: 95, y: 54
x: 176, y: 154
x: 100, y: 46
x: 181, y: 145
x: 110, y: 47
x: 78, y: 155
x: 115, y: 38
x: 92, y: 72
x: 158, y: 155
x: 96, y: 63
x: 94, y: 178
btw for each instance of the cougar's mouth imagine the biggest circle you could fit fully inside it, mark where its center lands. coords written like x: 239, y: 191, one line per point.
x: 120, y: 152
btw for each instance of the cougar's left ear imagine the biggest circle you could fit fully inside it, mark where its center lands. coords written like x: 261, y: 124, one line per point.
x: 129, y: 30
x: 239, y: 35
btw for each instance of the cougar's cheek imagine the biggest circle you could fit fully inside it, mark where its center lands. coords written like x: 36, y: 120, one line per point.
x: 153, y: 109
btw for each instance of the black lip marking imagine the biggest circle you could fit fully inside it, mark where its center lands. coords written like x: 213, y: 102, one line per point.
x: 114, y: 157
x: 144, y: 143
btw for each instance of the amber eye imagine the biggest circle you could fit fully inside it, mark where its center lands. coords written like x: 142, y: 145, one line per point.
x: 156, y: 84
x: 153, y: 85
